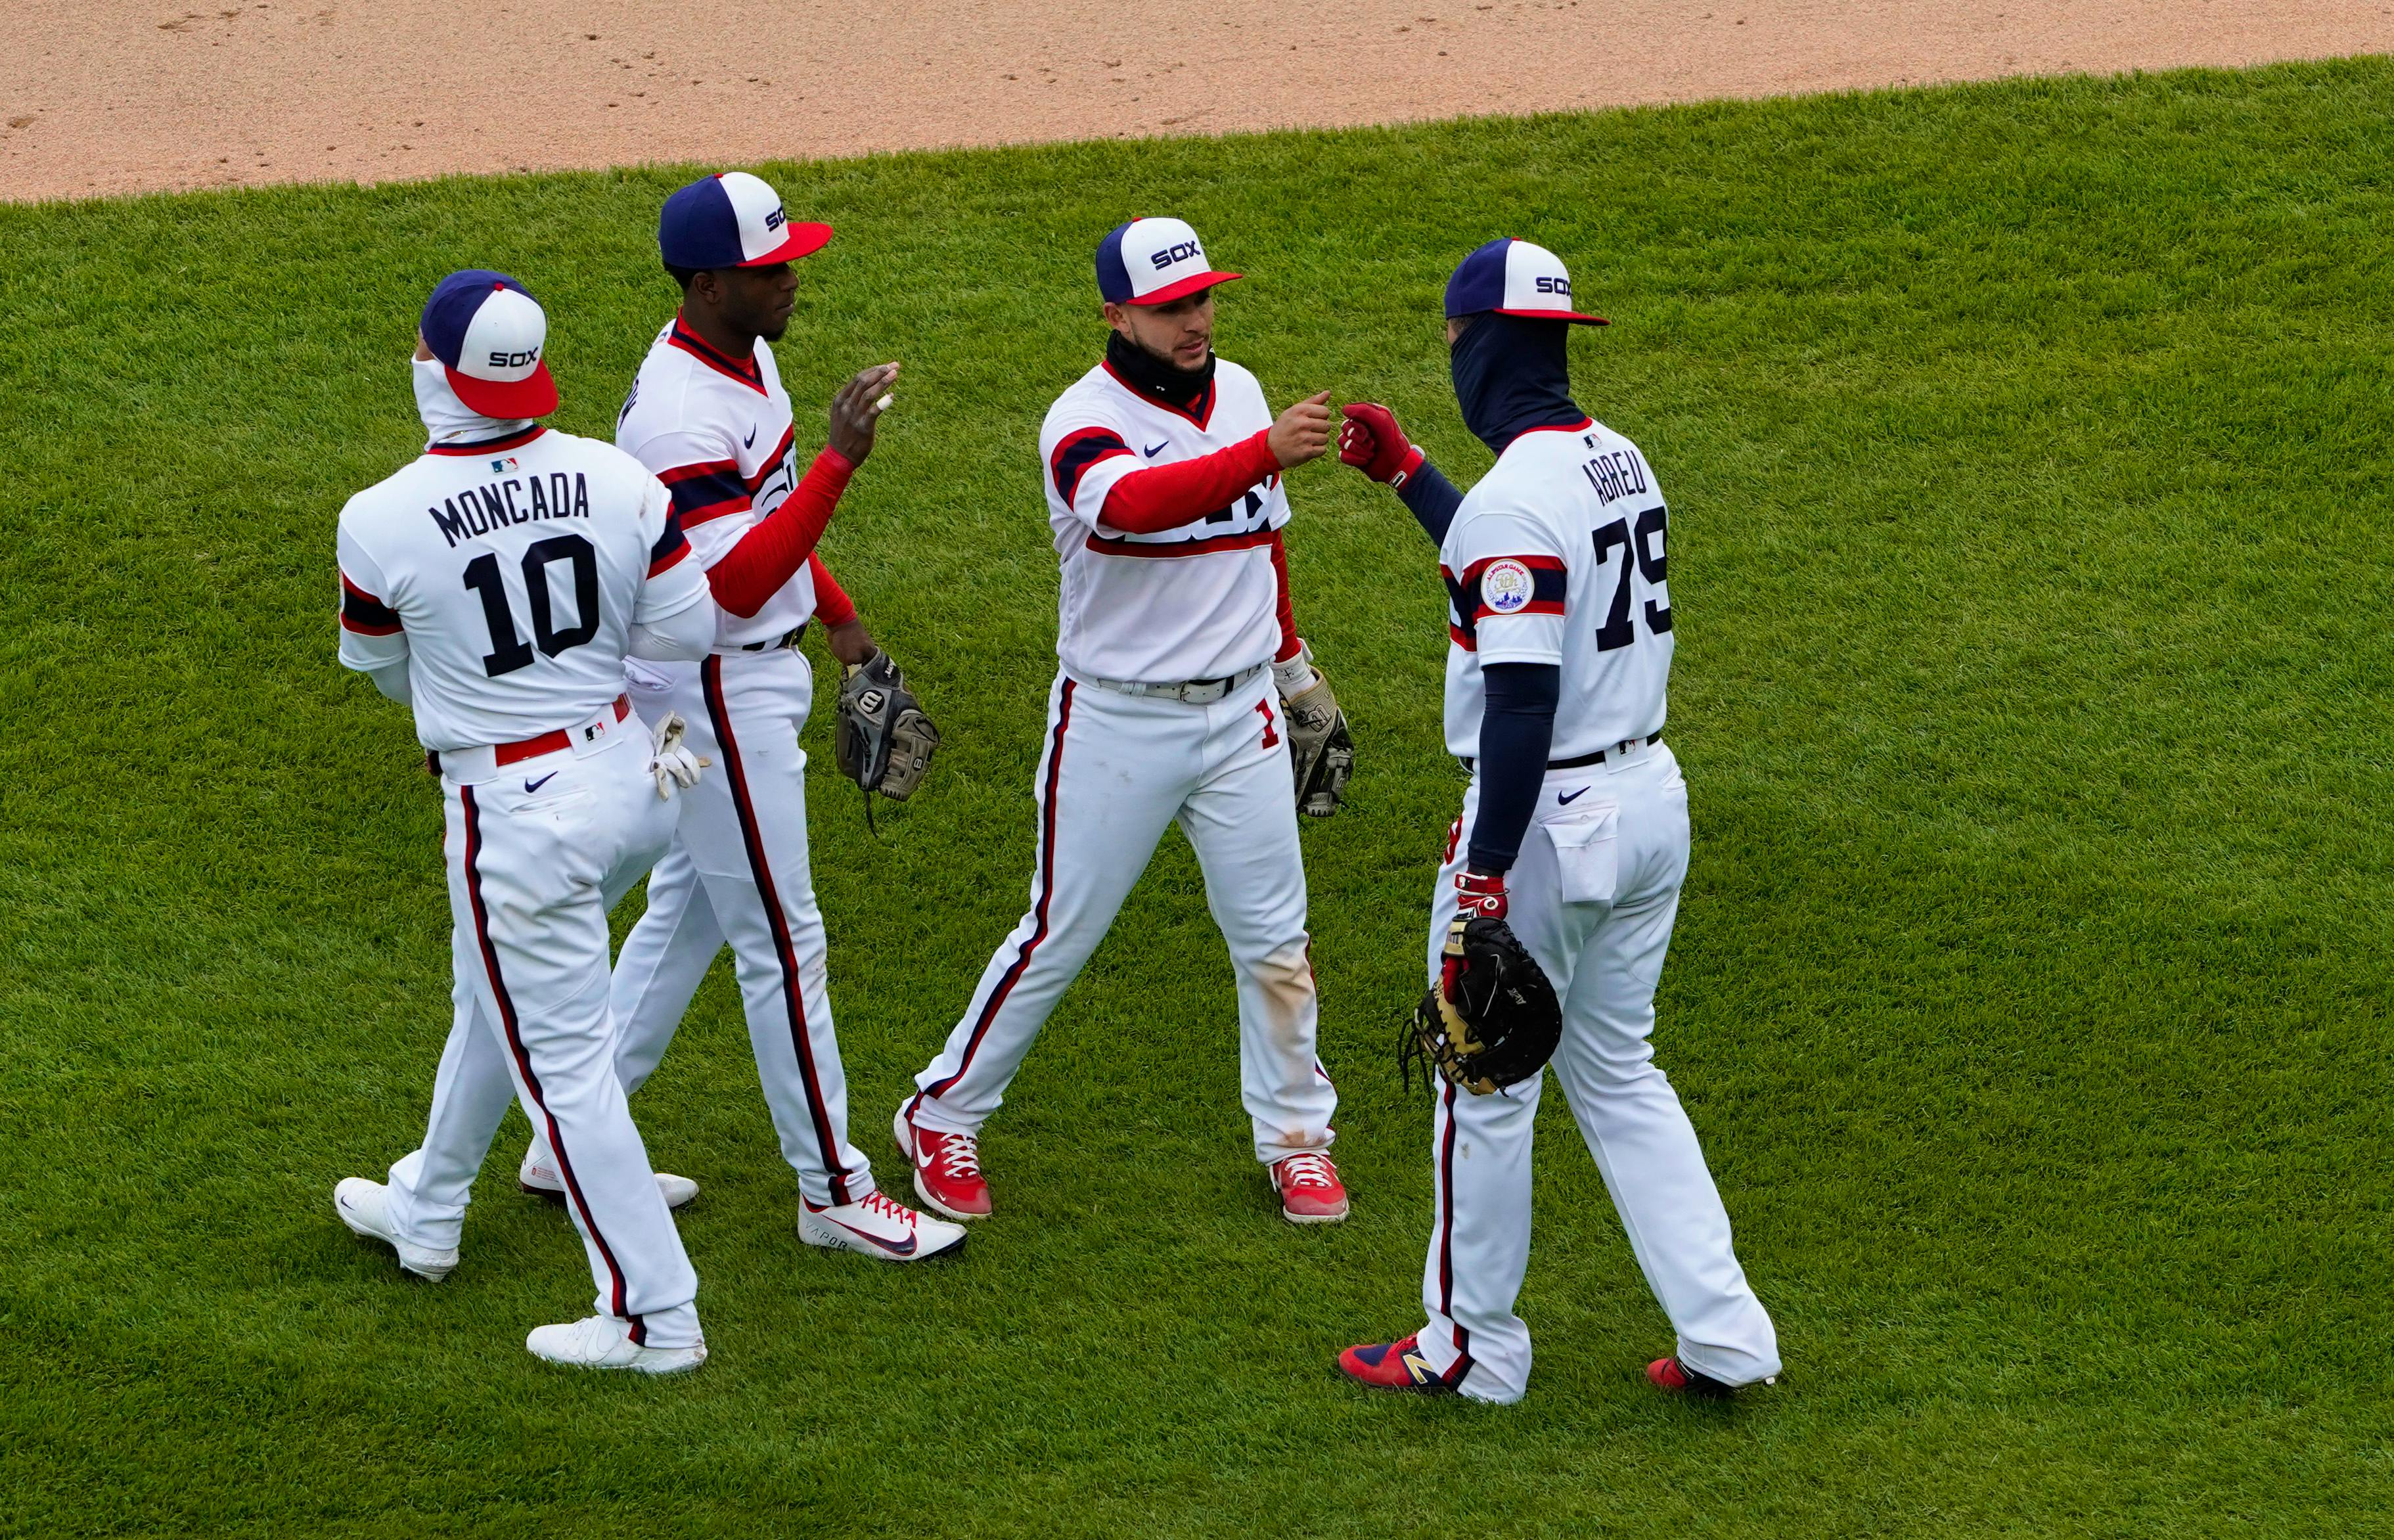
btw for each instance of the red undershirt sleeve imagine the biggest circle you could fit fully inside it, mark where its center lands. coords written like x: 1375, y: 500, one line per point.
x: 1289, y: 643
x: 833, y: 607
x: 1165, y: 497
x: 769, y: 555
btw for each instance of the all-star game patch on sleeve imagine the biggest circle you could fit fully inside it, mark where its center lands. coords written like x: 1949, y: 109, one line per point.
x: 1508, y: 598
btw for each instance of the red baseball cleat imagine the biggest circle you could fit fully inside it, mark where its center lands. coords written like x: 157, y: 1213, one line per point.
x: 1309, y: 1190
x: 947, y: 1169
x: 1670, y: 1374
x: 1392, y: 1367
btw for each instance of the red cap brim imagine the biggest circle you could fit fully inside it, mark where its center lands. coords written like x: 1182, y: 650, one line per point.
x: 803, y: 241
x: 533, y: 396
x: 1189, y: 285
x: 1556, y: 315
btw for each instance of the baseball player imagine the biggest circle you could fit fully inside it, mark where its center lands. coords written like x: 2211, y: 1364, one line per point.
x: 496, y: 585
x: 1575, y: 830
x: 1163, y: 468
x: 707, y: 414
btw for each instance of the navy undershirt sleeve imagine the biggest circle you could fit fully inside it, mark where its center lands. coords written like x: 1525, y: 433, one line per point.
x: 1516, y: 731
x: 1432, y: 499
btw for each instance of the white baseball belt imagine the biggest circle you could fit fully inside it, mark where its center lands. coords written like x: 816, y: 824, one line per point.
x: 1192, y: 692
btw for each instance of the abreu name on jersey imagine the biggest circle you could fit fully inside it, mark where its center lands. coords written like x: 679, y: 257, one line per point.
x: 1557, y: 556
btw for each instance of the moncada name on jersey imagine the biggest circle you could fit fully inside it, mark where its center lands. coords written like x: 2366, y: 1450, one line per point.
x: 517, y: 500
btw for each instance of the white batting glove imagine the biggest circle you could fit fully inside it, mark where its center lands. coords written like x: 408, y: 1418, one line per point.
x: 673, y: 764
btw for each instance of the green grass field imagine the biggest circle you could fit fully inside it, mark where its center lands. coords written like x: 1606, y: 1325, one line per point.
x: 2028, y: 451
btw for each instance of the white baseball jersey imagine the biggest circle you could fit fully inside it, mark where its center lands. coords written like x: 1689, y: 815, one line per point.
x: 1195, y: 603
x: 1557, y: 556
x: 718, y: 432
x: 509, y: 575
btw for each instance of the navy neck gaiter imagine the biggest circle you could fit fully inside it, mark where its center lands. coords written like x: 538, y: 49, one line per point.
x: 1512, y: 375
x: 1182, y: 390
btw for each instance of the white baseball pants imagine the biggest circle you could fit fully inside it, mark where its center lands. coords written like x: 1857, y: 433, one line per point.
x: 738, y: 871
x: 536, y: 857
x: 1117, y: 769
x: 1593, y: 897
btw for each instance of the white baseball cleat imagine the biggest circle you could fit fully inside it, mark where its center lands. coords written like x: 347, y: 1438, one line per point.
x: 538, y: 1177
x: 880, y: 1229
x: 605, y: 1342
x: 364, y: 1206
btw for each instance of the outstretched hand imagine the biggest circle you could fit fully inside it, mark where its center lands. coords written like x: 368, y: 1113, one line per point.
x: 855, y: 409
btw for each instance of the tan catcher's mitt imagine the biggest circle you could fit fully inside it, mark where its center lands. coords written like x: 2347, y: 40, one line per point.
x: 885, y: 741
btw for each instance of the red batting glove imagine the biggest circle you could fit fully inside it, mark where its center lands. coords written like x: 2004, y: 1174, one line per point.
x: 1373, y: 443
x: 1479, y: 895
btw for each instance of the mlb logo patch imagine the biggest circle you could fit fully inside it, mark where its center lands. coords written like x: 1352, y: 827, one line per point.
x: 500, y: 468
x: 1505, y: 587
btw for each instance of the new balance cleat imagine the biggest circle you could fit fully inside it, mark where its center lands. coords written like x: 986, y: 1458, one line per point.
x: 364, y: 1206
x: 880, y: 1229
x: 1393, y: 1366
x: 605, y: 1342
x: 947, y: 1169
x: 1310, y: 1193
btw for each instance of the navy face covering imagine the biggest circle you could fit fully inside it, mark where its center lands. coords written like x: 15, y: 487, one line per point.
x: 1512, y: 375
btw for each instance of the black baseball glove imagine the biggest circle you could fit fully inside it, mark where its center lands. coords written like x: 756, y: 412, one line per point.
x: 1492, y: 1019
x: 883, y: 742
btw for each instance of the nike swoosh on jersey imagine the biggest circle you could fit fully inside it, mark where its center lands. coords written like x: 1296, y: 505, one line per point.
x: 1159, y: 448
x: 1565, y: 799
x: 750, y: 442
x: 535, y: 785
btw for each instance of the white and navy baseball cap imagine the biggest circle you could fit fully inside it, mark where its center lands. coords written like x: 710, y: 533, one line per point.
x: 1514, y: 278
x: 733, y: 220
x: 1153, y: 262
x: 488, y: 332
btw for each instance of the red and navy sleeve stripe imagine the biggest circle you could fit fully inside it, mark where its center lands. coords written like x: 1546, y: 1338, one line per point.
x: 671, y: 546
x: 706, y: 490
x: 1077, y: 452
x: 1548, y: 583
x: 366, y: 615
x: 1459, y: 629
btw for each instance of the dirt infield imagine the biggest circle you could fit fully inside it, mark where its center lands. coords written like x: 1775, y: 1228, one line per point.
x: 112, y: 96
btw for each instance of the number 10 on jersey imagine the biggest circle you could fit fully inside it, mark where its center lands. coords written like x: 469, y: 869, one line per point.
x: 508, y: 651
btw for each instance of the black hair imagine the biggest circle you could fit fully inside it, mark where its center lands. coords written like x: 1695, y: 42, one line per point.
x: 683, y: 276
x: 1464, y: 322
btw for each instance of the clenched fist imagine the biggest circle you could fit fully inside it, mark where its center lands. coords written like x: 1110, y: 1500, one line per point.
x: 1302, y: 432
x: 1373, y: 443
